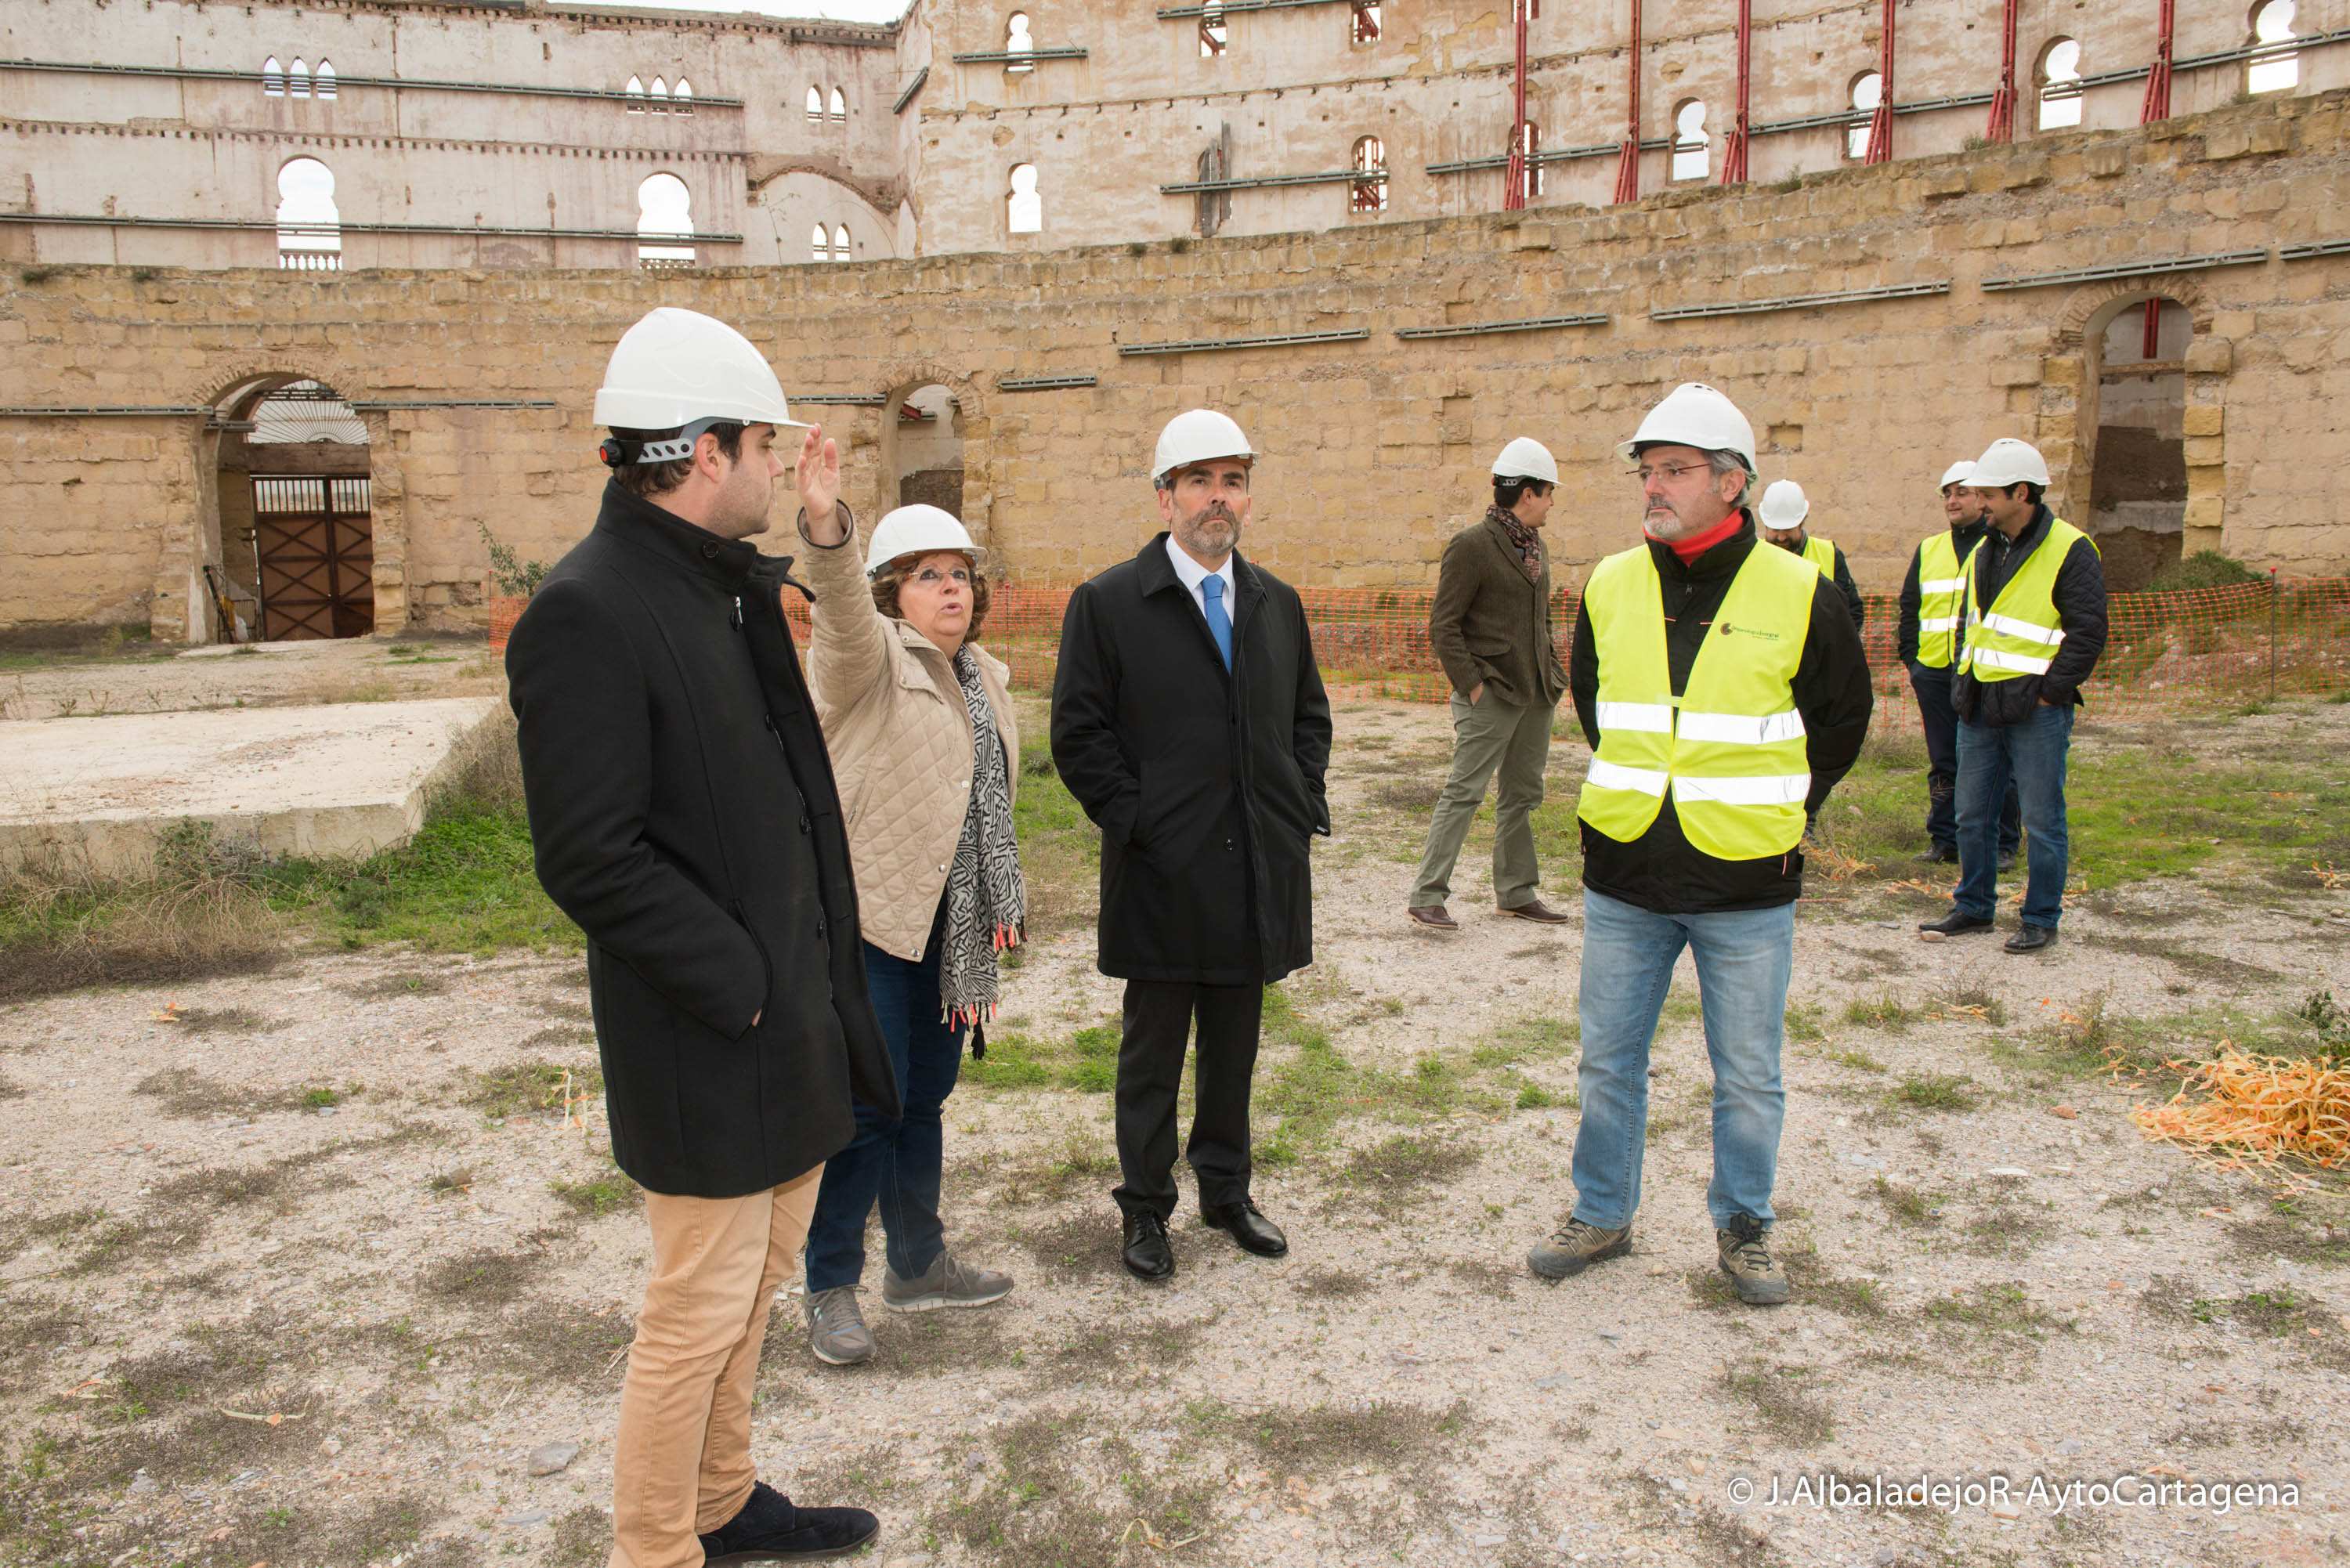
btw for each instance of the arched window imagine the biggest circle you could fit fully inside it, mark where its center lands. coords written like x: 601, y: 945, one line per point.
x: 839, y: 105
x: 664, y: 223
x: 1025, y: 213
x: 680, y: 96
x: 816, y: 103
x: 298, y: 80
x: 660, y: 96
x: 309, y: 227
x: 1016, y: 41
x: 272, y: 77
x: 1868, y: 92
x: 636, y: 95
x: 1368, y: 192
x: 1215, y: 33
x: 1692, y: 148
x: 2277, y: 66
x: 325, y: 78
x: 828, y: 245
x: 2059, y: 86
x: 1364, y: 27
x: 840, y: 241
x: 1530, y: 142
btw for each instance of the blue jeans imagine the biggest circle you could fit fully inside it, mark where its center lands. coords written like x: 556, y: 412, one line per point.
x: 2031, y: 754
x: 1743, y: 960
x: 894, y: 1160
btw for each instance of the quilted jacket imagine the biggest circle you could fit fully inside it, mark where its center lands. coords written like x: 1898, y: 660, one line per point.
x: 893, y: 717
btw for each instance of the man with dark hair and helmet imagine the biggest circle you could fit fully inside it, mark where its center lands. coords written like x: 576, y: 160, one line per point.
x: 1491, y: 629
x: 1929, y: 646
x: 2032, y: 626
x: 682, y: 811
x: 1190, y: 723
x: 1780, y: 518
x: 1723, y: 690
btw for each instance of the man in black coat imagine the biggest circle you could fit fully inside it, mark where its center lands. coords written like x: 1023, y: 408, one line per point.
x: 1188, y: 721
x: 682, y: 811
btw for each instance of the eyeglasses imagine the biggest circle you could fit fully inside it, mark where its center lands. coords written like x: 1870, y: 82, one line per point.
x: 930, y: 577
x: 1670, y: 472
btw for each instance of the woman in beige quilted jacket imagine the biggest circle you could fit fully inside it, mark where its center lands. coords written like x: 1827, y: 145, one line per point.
x: 926, y: 753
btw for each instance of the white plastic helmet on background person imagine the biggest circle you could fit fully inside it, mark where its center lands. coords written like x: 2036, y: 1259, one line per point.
x: 1960, y: 472
x: 2006, y: 462
x: 1197, y: 435
x: 1693, y: 414
x: 1784, y: 505
x: 1526, y: 458
x: 679, y: 370
x: 916, y: 530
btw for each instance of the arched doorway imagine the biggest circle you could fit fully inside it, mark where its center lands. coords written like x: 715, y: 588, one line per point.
x: 924, y: 457
x: 2137, y: 474
x: 297, y: 558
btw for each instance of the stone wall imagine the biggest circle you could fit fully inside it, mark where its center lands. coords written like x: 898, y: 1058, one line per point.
x: 1375, y: 447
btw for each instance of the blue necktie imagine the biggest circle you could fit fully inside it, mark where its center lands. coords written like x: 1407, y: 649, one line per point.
x: 1220, y: 625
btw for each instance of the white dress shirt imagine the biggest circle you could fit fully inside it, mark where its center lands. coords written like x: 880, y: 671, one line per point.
x: 1194, y: 575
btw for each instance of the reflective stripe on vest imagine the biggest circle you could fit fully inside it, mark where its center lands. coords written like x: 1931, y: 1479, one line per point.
x: 1731, y: 747
x: 2020, y: 633
x: 1941, y: 583
x: 1821, y: 553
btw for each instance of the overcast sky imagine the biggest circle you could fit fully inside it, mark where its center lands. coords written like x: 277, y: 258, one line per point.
x: 837, y: 10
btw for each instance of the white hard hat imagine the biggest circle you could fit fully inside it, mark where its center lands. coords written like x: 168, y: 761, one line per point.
x: 1960, y: 472
x: 676, y: 368
x: 1784, y: 505
x: 1197, y: 435
x: 1694, y: 414
x: 915, y: 530
x: 1526, y: 458
x: 2006, y: 462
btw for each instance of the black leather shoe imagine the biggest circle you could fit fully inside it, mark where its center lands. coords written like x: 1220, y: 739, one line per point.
x: 1955, y: 924
x: 1249, y: 1227
x: 1939, y: 855
x: 1147, y: 1255
x: 2006, y: 861
x: 2031, y: 938
x: 769, y: 1529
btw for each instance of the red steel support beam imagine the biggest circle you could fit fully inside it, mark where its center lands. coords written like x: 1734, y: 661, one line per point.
x: 1514, y: 198
x: 1734, y: 157
x: 2150, y: 347
x: 1880, y: 122
x: 2002, y: 100
x: 2158, y: 89
x: 1628, y: 166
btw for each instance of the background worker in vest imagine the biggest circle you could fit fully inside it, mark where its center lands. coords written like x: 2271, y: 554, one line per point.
x: 1724, y: 693
x: 1781, y: 516
x: 1491, y: 629
x: 1929, y: 651
x: 2032, y: 620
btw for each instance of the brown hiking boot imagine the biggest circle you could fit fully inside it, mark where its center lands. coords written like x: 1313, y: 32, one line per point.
x: 1746, y: 1258
x: 1575, y: 1247
x: 1432, y: 916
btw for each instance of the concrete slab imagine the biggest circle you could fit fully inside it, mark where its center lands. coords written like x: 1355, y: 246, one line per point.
x: 332, y: 780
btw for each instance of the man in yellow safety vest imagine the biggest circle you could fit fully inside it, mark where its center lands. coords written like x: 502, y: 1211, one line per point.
x: 1722, y: 689
x: 2031, y: 622
x: 1929, y: 651
x: 1780, y: 516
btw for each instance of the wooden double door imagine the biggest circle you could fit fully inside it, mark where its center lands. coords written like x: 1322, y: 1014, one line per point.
x: 314, y: 550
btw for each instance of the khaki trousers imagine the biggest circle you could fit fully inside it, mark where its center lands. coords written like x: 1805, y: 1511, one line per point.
x: 1489, y: 735
x: 681, y: 1465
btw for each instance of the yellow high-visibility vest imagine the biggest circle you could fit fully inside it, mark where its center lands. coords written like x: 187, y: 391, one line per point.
x: 1732, y: 746
x: 2020, y: 633
x: 1820, y: 553
x: 1940, y: 590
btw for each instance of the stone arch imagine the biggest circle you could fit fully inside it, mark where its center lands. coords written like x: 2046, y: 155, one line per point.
x: 2069, y: 394
x: 907, y: 377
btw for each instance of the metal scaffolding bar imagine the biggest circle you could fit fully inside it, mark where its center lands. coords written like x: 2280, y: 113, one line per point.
x: 845, y: 400
x: 1217, y: 344
x: 1042, y: 383
x: 1628, y: 166
x: 344, y: 83
x: 1331, y: 176
x: 2127, y: 269
x: 107, y: 411
x: 912, y: 89
x: 2002, y: 99
x: 1800, y: 302
x: 2158, y: 80
x: 2311, y: 252
x: 1513, y: 194
x: 1741, y: 131
x: 1478, y: 328
x: 380, y: 405
x: 328, y: 231
x: 1881, y: 120
x: 1018, y: 57
x: 1230, y: 7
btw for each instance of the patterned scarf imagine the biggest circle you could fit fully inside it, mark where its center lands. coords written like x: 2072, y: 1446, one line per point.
x: 987, y: 906
x: 1529, y: 547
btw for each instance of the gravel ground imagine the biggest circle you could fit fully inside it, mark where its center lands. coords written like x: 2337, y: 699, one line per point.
x: 263, y: 1328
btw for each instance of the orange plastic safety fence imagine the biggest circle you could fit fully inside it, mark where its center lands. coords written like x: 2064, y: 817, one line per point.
x: 2197, y: 649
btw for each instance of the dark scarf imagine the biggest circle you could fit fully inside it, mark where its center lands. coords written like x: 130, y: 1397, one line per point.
x: 987, y: 906
x: 1521, y: 537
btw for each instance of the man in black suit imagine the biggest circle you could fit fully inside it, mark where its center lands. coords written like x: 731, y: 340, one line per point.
x: 683, y: 810
x: 1188, y: 721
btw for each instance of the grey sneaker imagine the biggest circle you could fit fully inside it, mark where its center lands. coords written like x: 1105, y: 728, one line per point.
x: 947, y: 1283
x: 836, y: 1330
x: 1746, y: 1258
x: 1575, y: 1247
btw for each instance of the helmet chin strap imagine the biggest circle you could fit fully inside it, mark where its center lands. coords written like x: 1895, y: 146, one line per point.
x: 619, y: 453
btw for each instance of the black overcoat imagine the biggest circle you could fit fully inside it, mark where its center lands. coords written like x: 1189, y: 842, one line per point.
x: 682, y: 811
x: 1207, y: 785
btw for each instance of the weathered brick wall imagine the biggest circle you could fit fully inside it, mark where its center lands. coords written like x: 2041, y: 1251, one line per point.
x: 1374, y: 449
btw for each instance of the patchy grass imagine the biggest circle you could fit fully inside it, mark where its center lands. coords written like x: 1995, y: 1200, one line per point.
x: 1806, y: 1023
x: 1309, y: 1092
x: 537, y: 1085
x: 598, y: 1196
x: 1397, y: 1172
x: 408, y: 982
x: 1782, y: 1403
x: 1325, y: 1439
x: 1907, y: 1205
x: 1086, y: 1062
x: 1533, y: 1039
x: 1883, y: 1010
x: 2002, y: 1309
x: 1937, y: 1091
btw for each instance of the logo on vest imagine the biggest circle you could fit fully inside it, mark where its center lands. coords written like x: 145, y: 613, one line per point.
x: 1766, y: 636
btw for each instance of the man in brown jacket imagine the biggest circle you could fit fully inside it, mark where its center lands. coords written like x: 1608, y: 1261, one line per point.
x: 1491, y: 629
